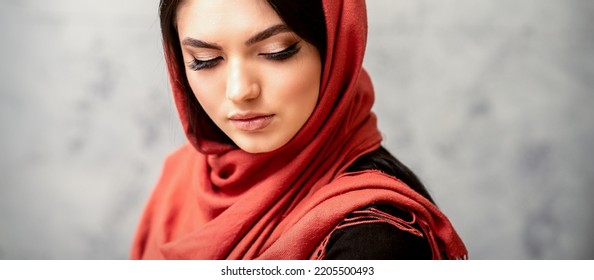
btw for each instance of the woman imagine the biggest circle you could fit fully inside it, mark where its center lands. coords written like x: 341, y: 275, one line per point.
x: 284, y: 158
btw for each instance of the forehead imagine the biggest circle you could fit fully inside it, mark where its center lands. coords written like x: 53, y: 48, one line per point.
x: 211, y: 17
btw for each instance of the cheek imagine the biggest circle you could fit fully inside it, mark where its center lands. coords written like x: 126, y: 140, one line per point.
x: 206, y: 90
x: 298, y: 87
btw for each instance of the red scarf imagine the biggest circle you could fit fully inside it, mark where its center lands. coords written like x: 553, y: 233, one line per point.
x: 215, y: 201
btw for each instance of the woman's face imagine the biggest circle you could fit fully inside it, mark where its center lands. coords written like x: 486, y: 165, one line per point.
x: 256, y: 79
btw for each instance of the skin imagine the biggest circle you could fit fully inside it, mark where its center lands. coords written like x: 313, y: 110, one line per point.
x: 241, y: 62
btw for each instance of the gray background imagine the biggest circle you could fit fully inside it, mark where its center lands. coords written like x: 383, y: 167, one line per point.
x: 490, y: 102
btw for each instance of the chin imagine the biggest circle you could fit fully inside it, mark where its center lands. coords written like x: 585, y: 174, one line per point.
x: 258, y: 148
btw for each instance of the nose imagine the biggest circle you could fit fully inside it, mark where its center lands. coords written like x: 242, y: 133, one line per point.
x: 242, y: 84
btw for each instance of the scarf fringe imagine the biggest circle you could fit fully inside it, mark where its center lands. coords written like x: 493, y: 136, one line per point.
x: 373, y: 216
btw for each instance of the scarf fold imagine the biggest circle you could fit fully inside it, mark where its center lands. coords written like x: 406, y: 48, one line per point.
x: 215, y: 201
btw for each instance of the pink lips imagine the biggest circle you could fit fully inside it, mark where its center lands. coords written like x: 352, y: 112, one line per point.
x: 251, y: 122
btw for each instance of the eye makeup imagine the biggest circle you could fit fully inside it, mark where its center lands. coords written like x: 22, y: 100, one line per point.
x: 284, y: 54
x: 198, y: 64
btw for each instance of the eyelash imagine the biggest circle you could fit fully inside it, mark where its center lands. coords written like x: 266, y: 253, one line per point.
x: 197, y: 64
x: 284, y: 54
x: 204, y: 64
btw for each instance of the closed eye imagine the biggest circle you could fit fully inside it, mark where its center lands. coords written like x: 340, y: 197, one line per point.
x: 197, y: 64
x: 284, y: 54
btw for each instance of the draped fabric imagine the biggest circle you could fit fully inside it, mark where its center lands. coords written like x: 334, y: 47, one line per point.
x: 216, y: 201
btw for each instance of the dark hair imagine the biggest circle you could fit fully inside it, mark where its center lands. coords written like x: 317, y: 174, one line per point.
x: 306, y: 19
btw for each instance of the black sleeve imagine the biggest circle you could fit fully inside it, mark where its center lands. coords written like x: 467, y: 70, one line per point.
x: 377, y: 241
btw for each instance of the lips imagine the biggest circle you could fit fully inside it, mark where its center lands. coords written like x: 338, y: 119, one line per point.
x: 250, y: 121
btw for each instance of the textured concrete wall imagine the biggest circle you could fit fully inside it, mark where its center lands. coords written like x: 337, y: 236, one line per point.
x: 490, y: 102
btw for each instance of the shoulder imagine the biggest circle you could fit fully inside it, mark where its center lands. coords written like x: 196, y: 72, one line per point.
x: 378, y: 232
x: 163, y: 202
x: 173, y: 181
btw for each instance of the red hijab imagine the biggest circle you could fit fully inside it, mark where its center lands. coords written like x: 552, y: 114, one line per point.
x: 215, y: 201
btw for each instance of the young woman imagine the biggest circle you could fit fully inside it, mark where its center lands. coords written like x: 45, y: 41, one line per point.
x: 284, y: 158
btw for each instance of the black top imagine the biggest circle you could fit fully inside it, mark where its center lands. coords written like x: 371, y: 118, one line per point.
x: 378, y: 241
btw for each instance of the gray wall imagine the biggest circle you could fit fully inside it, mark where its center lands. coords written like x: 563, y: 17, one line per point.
x: 490, y: 102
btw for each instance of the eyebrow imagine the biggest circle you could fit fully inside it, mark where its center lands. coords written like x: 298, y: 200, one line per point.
x: 267, y: 33
x: 262, y: 35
